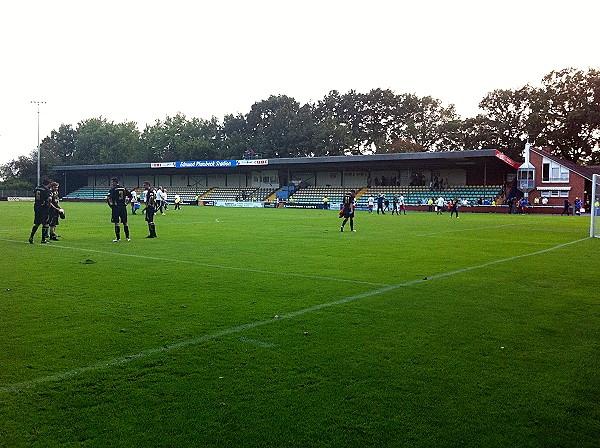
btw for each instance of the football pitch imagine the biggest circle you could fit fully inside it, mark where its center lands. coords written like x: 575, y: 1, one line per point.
x: 271, y: 328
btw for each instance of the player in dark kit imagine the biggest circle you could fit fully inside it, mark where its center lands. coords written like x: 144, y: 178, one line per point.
x: 150, y: 209
x: 348, y: 211
x: 118, y: 197
x: 55, y: 211
x: 41, y: 207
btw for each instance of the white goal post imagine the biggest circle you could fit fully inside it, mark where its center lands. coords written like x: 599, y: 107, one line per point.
x: 595, y: 207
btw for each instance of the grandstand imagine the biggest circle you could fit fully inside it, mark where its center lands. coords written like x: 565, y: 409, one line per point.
x: 187, y: 194
x: 237, y: 194
x: 419, y: 195
x: 299, y: 182
x: 314, y: 195
x: 88, y: 194
x: 413, y: 196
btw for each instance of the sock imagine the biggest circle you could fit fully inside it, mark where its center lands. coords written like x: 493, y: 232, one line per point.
x: 118, y: 232
x: 33, y: 230
x: 44, y: 233
x: 126, y: 228
x: 153, y: 230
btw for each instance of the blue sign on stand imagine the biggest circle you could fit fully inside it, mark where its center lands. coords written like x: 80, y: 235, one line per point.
x: 206, y: 164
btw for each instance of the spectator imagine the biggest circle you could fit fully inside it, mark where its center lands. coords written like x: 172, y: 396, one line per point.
x: 578, y: 206
x: 371, y: 203
x: 380, y: 199
x: 348, y: 211
x: 454, y: 207
x: 566, y: 206
x: 395, y: 201
x: 439, y: 206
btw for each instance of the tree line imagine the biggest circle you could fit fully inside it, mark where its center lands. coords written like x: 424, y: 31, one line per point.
x: 564, y: 113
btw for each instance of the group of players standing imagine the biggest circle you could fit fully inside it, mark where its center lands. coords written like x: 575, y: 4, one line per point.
x: 47, y: 211
x: 119, y: 197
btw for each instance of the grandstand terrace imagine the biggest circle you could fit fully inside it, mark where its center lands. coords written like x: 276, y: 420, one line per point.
x: 473, y: 175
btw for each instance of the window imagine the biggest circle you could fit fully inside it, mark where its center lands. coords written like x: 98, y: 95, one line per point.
x: 545, y: 172
x: 554, y: 172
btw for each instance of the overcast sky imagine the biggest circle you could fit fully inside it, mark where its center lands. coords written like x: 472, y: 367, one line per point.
x: 145, y: 60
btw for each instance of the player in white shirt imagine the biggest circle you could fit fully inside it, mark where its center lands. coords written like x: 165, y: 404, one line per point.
x: 439, y: 205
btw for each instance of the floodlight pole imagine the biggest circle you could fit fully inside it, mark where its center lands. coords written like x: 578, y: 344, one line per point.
x: 38, y: 136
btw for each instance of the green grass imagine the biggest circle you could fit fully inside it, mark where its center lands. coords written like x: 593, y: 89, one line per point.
x: 415, y: 331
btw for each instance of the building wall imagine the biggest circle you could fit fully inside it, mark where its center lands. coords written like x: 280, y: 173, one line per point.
x: 130, y: 182
x: 179, y: 181
x: 331, y: 178
x: 576, y: 184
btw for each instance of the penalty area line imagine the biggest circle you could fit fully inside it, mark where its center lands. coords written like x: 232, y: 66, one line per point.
x: 241, y: 328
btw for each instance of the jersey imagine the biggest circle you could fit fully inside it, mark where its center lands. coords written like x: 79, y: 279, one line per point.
x: 150, y: 205
x: 118, y: 196
x: 348, y: 209
x: 150, y: 198
x: 41, y: 197
x: 55, y: 204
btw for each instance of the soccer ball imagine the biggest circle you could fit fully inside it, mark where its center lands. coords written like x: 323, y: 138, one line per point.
x: 61, y: 213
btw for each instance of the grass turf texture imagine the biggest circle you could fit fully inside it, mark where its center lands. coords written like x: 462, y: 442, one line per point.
x: 417, y: 330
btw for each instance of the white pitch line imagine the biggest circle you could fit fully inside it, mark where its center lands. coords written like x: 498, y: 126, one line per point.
x: 208, y: 265
x: 226, y: 332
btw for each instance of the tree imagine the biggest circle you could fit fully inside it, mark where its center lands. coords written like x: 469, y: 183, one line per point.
x: 234, y: 138
x: 20, y: 173
x: 570, y: 110
x: 427, y: 120
x: 59, y: 148
x: 177, y: 138
x: 381, y: 110
x: 507, y: 119
x: 333, y: 131
x: 98, y: 141
x: 272, y: 127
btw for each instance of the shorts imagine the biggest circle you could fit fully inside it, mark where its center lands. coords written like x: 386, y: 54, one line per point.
x: 150, y: 214
x: 119, y: 213
x: 41, y: 216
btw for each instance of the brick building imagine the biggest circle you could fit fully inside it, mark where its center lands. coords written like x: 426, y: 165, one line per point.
x: 557, y: 179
